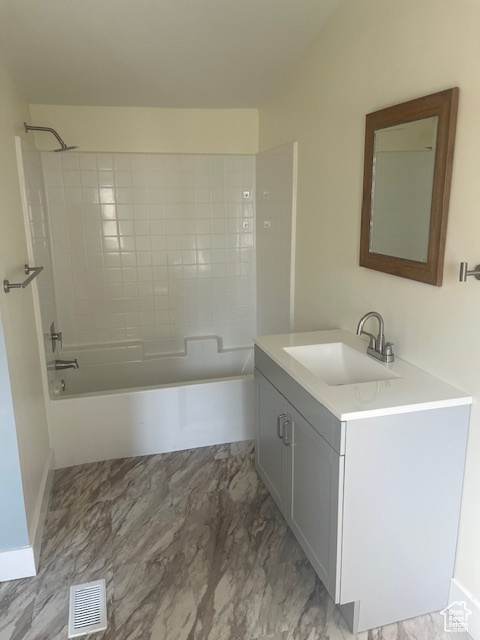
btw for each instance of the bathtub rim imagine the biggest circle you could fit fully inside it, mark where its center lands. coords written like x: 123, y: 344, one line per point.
x: 149, y: 388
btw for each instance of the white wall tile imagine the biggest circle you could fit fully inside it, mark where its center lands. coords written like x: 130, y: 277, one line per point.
x: 121, y: 161
x: 88, y: 161
x: 148, y: 239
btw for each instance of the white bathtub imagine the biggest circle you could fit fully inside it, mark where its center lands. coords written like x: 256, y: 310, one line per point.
x: 140, y: 408
x: 173, y: 369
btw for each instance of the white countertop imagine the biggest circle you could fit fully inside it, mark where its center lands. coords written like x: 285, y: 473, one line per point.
x: 413, y: 390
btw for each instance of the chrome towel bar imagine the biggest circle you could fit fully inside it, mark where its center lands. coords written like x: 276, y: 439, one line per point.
x: 464, y: 272
x: 32, y: 273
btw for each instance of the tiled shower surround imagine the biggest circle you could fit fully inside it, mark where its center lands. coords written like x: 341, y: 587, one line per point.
x: 149, y: 249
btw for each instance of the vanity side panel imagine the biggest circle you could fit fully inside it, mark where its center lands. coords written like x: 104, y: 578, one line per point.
x: 402, y: 493
x: 324, y: 422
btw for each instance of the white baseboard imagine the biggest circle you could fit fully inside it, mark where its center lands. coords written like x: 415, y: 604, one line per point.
x: 23, y: 562
x: 459, y: 594
x: 41, y: 511
x: 17, y: 563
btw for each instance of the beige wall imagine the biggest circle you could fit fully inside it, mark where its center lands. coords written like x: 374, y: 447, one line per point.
x: 16, y: 309
x: 148, y: 130
x: 370, y: 55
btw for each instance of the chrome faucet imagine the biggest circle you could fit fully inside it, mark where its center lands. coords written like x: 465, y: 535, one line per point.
x: 377, y: 347
x: 60, y: 365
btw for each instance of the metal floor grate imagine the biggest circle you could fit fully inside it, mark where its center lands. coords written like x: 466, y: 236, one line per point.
x: 88, y: 608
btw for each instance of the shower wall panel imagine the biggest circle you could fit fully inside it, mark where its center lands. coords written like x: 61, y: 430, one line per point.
x: 42, y: 250
x: 276, y: 196
x: 149, y: 249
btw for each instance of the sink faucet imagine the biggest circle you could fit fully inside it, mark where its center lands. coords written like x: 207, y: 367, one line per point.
x: 377, y: 347
x: 60, y: 365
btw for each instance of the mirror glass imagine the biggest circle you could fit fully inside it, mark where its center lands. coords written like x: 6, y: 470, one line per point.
x: 403, y: 166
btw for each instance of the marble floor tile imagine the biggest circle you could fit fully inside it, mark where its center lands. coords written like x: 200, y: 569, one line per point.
x: 194, y: 470
x: 158, y: 535
x: 129, y: 477
x: 154, y: 600
x: 192, y: 547
x: 138, y: 502
x: 17, y: 600
x: 233, y: 449
x: 84, y: 531
x: 80, y: 485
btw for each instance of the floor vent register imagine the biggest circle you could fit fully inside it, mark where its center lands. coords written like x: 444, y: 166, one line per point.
x: 88, y: 609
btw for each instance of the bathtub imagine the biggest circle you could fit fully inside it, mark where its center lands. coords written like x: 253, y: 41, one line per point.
x: 153, y: 406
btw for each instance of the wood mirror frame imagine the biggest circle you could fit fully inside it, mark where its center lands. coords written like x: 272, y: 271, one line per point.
x: 443, y: 105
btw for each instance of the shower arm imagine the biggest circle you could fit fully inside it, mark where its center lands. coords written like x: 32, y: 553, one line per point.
x: 64, y: 147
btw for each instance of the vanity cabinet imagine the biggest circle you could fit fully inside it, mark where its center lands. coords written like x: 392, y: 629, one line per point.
x: 374, y: 502
x: 303, y: 479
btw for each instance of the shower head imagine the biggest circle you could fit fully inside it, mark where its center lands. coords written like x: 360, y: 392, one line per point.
x: 63, y: 146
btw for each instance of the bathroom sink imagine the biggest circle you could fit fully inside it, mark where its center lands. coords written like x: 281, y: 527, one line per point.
x: 336, y: 363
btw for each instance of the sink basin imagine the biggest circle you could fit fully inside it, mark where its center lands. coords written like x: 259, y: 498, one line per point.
x: 336, y: 363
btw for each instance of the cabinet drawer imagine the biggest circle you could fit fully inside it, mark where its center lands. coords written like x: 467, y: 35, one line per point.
x: 324, y: 422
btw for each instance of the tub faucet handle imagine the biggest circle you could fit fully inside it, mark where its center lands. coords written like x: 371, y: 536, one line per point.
x: 55, y: 336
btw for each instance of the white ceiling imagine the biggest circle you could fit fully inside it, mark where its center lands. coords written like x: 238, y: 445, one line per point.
x: 155, y: 53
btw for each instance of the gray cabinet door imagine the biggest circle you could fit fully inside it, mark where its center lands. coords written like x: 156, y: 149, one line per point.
x: 314, y: 470
x: 270, y: 450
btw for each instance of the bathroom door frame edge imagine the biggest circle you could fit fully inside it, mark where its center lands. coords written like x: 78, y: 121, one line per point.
x: 293, y: 234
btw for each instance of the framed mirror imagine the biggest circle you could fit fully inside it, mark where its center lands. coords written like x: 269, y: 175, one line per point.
x: 406, y: 187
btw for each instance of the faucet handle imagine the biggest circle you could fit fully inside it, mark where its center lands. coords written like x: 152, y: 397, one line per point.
x: 55, y: 336
x: 372, y: 338
x: 388, y: 349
